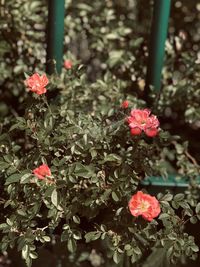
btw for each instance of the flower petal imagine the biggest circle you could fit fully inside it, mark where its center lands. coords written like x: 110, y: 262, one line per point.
x: 151, y: 132
x: 136, y: 131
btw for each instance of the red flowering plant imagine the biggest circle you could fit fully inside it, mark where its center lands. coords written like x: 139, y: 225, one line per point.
x: 92, y: 187
x: 141, y: 120
x: 145, y: 205
x: 42, y: 171
x: 37, y: 83
x: 72, y: 173
x: 125, y: 104
x: 68, y: 64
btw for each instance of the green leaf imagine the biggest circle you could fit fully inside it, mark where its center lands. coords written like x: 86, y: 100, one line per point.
x: 4, y: 165
x: 33, y: 255
x: 21, y: 212
x: 113, y: 158
x: 179, y: 149
x: 117, y: 257
x: 188, y: 212
x: 54, y: 198
x: 137, y: 250
x: 137, y: 42
x: 127, y: 247
x: 26, y: 75
x: 164, y: 216
x: 84, y: 171
x: 165, y: 204
x: 28, y: 261
x: 184, y: 205
x: 64, y: 235
x: 167, y: 197
x: 133, y: 258
x: 13, y: 179
x: 76, y: 219
x: 172, y: 236
x: 112, y: 36
x: 194, y: 248
x: 169, y: 253
x: 119, y: 211
x: 46, y: 238
x: 77, y: 235
x: 91, y: 236
x: 193, y: 220
x: 25, y: 252
x: 85, y: 7
x: 197, y: 209
x: 4, y: 47
x: 115, y: 57
x: 71, y: 245
x: 179, y: 197
x: 3, y: 226
x: 34, y: 6
x: 93, y: 152
x: 25, y: 178
x: 115, y: 197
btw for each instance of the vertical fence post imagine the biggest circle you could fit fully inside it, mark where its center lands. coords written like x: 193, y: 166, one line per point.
x: 55, y: 36
x: 157, y: 43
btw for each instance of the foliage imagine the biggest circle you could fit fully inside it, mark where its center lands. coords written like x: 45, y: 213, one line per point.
x: 96, y: 166
x: 78, y: 129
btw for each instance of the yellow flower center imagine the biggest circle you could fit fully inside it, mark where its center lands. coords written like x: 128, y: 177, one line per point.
x: 144, y: 206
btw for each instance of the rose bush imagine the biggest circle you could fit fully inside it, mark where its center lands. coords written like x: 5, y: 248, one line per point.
x: 70, y: 168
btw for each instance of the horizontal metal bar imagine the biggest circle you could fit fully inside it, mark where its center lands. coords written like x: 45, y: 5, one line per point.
x: 170, y: 181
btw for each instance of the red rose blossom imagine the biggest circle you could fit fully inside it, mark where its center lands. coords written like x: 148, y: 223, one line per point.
x: 37, y: 83
x: 141, y: 120
x: 42, y: 171
x: 67, y: 64
x: 125, y: 104
x: 145, y: 205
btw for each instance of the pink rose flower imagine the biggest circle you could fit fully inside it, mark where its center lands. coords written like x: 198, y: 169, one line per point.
x: 67, y: 64
x: 42, y: 171
x: 141, y: 120
x: 37, y: 83
x: 145, y: 205
x: 125, y: 104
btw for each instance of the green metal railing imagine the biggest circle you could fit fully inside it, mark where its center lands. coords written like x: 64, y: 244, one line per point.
x: 157, y: 42
x: 55, y: 36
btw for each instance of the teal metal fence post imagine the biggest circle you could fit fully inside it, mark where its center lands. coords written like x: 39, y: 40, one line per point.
x: 55, y: 36
x: 157, y: 43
